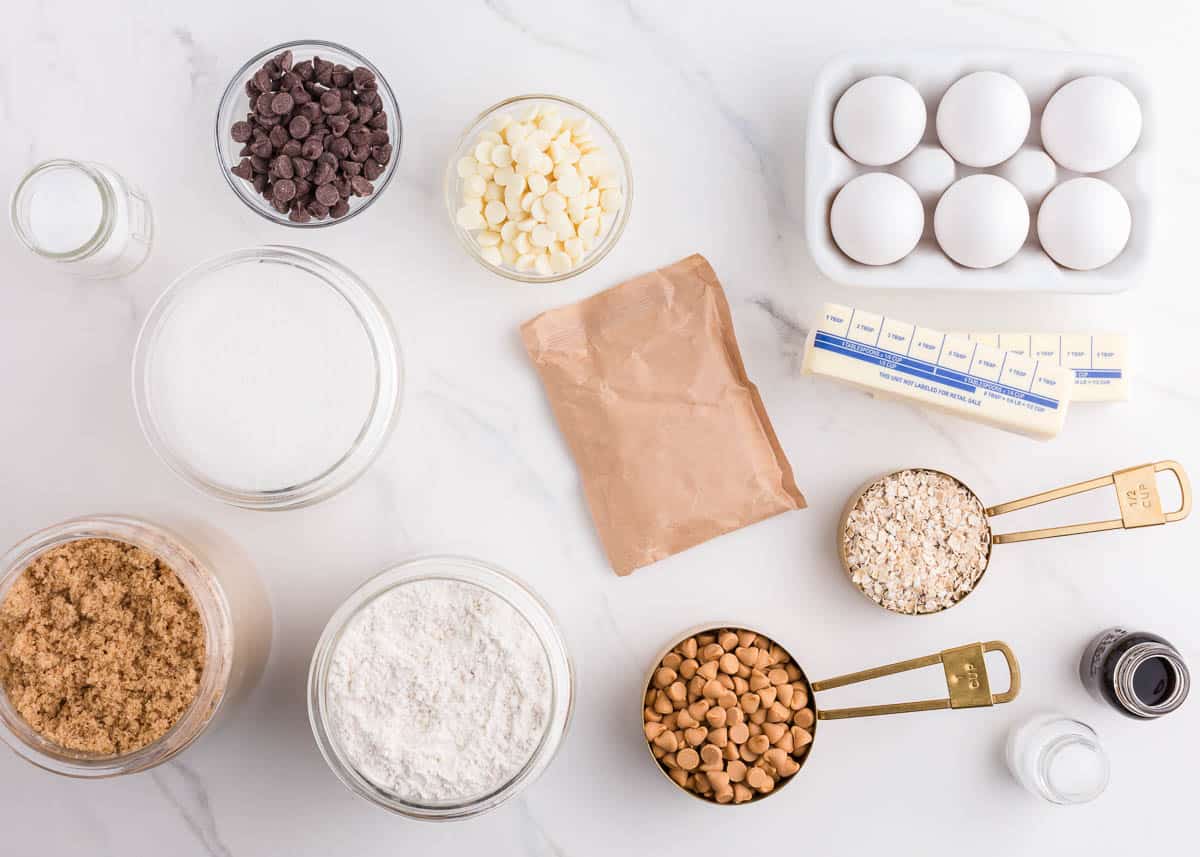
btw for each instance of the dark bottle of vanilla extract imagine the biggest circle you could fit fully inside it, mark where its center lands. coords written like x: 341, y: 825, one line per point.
x: 1140, y: 674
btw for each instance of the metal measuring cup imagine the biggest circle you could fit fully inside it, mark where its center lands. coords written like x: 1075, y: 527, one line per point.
x: 1137, y: 495
x: 967, y: 686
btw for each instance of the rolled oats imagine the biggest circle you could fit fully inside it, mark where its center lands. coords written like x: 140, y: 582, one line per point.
x: 916, y: 541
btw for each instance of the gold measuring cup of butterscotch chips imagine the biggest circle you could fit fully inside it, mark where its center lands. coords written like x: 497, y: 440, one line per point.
x: 711, y: 763
x: 918, y: 541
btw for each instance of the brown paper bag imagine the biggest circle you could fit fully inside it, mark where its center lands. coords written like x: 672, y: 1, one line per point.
x: 670, y: 437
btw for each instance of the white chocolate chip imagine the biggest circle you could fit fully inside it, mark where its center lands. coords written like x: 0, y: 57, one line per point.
x: 495, y: 212
x: 542, y: 235
x: 537, y: 192
x: 466, y: 167
x: 468, y: 217
x: 560, y: 262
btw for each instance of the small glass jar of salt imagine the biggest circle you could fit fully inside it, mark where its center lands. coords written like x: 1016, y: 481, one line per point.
x: 1058, y: 759
x: 83, y: 215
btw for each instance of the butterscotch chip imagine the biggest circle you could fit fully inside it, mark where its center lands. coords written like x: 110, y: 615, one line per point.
x: 740, y: 743
x: 101, y: 646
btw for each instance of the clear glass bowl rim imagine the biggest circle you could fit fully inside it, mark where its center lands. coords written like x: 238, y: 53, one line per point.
x: 210, y: 600
x: 471, y: 571
x: 236, y: 89
x: 389, y: 369
x: 450, y: 187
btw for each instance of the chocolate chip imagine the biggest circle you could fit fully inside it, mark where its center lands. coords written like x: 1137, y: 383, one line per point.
x: 316, y: 133
x: 285, y: 189
x: 383, y: 153
x: 299, y: 127
x: 282, y: 103
x: 364, y: 78
x: 331, y: 102
x: 323, y: 174
x: 327, y: 194
x: 312, y: 148
x: 324, y: 70
x: 281, y: 167
x: 339, y: 125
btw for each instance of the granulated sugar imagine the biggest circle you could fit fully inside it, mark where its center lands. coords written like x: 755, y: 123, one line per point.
x: 261, y: 377
x: 916, y: 541
x: 438, y: 690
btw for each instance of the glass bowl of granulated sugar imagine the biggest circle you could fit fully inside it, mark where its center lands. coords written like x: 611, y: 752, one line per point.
x: 440, y: 689
x: 269, y: 378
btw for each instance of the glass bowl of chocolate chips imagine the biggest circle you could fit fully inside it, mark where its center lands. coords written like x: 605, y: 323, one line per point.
x: 308, y: 133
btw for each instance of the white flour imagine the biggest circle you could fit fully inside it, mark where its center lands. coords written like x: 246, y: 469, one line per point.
x: 438, y: 690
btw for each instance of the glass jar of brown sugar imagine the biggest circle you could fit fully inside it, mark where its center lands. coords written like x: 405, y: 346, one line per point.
x: 189, y: 610
x: 1140, y: 674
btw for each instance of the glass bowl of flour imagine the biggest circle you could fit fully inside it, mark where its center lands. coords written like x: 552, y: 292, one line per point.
x: 440, y: 689
x: 269, y: 378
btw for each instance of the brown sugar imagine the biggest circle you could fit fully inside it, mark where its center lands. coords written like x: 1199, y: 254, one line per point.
x: 101, y: 646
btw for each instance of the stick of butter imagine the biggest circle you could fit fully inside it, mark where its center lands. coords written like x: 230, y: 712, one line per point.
x: 1099, y: 361
x: 942, y: 370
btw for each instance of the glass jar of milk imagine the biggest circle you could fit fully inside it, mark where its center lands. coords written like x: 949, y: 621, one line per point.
x: 85, y: 216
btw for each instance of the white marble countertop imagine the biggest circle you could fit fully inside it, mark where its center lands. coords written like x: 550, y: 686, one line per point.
x: 710, y: 100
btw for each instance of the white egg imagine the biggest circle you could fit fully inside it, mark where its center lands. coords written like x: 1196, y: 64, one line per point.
x: 1091, y: 124
x: 1032, y: 171
x: 928, y: 169
x: 879, y: 120
x: 1084, y: 224
x: 877, y: 219
x: 983, y: 118
x: 981, y: 221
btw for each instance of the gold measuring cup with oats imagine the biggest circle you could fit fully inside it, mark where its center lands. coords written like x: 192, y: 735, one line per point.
x: 730, y: 717
x: 917, y: 541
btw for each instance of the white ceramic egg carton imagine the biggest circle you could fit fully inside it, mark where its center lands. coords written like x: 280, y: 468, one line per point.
x: 1040, y: 74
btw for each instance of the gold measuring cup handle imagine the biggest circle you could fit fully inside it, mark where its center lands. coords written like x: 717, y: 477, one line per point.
x: 966, y: 680
x: 1137, y: 493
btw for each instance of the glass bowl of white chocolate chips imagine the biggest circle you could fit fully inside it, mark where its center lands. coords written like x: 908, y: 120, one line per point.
x: 538, y: 188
